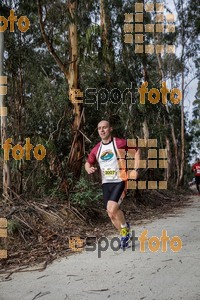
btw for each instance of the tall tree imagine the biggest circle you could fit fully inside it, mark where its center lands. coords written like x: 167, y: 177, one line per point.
x: 195, y: 125
x: 6, y: 169
x: 72, y: 78
x: 188, y: 41
x: 108, y: 59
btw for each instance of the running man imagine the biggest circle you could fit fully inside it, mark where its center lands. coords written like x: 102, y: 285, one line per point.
x: 107, y: 153
x: 196, y: 170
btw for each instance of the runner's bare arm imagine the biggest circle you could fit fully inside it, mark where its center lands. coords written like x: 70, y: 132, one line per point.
x: 137, y: 161
x: 89, y: 168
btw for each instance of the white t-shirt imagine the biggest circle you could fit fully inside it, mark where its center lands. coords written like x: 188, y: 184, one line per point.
x: 108, y: 163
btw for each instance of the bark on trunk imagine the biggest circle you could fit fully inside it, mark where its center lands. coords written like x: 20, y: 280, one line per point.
x: 71, y: 75
x: 170, y: 121
x: 6, y: 169
x: 106, y: 41
x: 76, y: 154
x: 169, y: 159
x: 182, y: 163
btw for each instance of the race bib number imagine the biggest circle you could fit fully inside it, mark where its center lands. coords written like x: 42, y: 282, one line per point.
x: 109, y: 174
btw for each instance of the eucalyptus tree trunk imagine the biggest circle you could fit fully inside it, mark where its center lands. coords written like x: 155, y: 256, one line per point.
x: 182, y: 163
x: 180, y: 180
x: 145, y: 127
x: 71, y: 75
x: 169, y: 159
x: 76, y: 154
x: 6, y: 169
x: 159, y: 59
x: 106, y: 40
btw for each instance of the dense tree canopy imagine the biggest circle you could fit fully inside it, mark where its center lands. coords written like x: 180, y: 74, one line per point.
x: 80, y: 45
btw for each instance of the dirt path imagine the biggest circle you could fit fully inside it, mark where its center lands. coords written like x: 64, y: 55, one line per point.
x: 122, y: 275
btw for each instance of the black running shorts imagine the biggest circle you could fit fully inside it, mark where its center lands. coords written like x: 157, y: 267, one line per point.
x: 112, y: 191
x: 197, y: 179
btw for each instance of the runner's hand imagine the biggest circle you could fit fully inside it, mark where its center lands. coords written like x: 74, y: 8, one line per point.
x: 91, y: 170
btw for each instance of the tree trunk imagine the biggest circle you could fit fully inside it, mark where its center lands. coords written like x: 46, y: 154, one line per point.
x: 182, y: 163
x: 6, y: 169
x: 169, y: 159
x: 106, y: 41
x: 76, y: 154
x: 170, y: 121
x: 71, y: 75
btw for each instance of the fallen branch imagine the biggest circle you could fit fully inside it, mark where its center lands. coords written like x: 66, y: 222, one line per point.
x: 39, y: 295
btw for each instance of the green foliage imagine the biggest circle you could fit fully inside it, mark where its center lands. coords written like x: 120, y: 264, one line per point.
x: 194, y: 125
x: 85, y: 193
x: 37, y: 99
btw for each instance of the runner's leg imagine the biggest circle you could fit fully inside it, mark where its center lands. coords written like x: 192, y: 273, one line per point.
x: 115, y: 214
x: 197, y: 180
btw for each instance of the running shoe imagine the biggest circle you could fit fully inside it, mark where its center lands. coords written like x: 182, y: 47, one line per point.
x: 125, y: 236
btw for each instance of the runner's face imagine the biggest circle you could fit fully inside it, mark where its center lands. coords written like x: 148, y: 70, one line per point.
x: 104, y: 130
